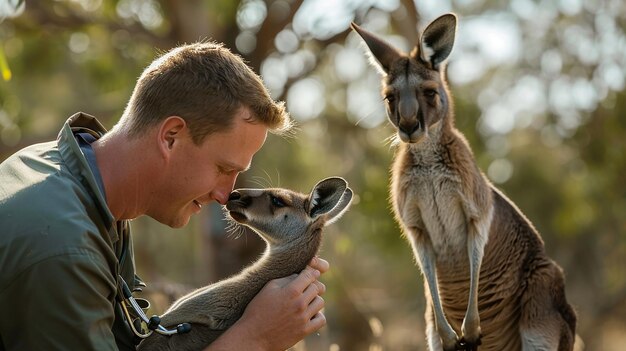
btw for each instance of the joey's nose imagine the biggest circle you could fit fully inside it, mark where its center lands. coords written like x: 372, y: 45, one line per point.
x: 235, y: 195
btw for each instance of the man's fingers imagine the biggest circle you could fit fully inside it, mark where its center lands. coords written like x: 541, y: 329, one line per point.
x: 311, y: 292
x: 315, y: 306
x: 304, y: 279
x: 321, y: 288
x: 320, y: 264
x: 317, y: 322
x: 309, y: 275
x: 282, y: 282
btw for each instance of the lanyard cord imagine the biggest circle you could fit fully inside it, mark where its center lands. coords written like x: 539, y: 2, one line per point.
x: 153, y: 323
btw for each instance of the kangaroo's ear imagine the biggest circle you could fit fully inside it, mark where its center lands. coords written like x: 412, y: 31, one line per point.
x: 326, y: 195
x: 438, y: 39
x: 382, y: 55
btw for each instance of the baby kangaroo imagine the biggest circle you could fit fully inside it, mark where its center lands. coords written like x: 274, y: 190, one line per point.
x: 487, y: 278
x: 291, y: 224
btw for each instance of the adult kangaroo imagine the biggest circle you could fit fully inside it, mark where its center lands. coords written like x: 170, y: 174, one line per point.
x: 291, y: 223
x: 488, y: 280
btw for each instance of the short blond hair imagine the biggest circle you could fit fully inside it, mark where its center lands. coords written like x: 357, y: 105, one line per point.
x: 205, y: 84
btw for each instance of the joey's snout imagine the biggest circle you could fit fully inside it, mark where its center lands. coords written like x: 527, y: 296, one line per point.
x: 235, y: 195
x: 236, y: 204
x: 237, y: 199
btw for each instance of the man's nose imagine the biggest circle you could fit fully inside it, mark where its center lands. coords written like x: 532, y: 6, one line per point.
x: 222, y: 191
x: 220, y: 196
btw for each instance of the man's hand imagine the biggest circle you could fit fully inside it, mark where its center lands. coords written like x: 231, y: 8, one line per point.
x: 283, y: 313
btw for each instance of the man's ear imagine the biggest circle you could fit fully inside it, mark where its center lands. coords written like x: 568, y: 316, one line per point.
x: 170, y: 131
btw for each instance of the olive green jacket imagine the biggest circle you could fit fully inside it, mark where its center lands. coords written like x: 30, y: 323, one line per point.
x: 60, y: 250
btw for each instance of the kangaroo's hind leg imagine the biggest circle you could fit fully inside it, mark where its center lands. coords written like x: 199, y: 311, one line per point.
x: 547, y: 321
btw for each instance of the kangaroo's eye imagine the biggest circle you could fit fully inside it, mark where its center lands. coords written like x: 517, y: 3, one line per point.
x: 390, y: 99
x: 430, y: 93
x: 276, y: 201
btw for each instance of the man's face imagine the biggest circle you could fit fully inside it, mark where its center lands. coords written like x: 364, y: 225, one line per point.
x: 195, y: 175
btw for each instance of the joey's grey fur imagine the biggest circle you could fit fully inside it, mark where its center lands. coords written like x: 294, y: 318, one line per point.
x: 487, y: 277
x: 291, y: 223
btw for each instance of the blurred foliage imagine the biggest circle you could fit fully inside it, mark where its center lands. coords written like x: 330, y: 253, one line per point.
x: 539, y: 93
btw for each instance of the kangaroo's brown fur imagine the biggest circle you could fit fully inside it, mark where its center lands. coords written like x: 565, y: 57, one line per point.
x: 461, y: 228
x: 291, y: 223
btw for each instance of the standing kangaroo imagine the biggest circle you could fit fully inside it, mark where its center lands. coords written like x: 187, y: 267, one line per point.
x: 461, y: 228
x: 291, y: 224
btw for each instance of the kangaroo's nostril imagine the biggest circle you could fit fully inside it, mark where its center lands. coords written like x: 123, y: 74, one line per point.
x: 235, y: 195
x: 410, y: 128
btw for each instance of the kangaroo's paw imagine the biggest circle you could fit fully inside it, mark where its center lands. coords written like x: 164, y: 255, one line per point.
x: 451, y: 342
x: 468, y: 345
x: 454, y: 347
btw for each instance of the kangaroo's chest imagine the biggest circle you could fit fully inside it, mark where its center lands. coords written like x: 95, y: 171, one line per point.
x: 428, y: 202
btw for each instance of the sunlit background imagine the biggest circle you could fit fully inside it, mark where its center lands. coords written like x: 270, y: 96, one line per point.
x: 539, y: 92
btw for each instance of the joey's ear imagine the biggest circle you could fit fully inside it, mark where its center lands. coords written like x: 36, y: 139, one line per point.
x: 437, y: 40
x: 340, y: 208
x: 382, y: 55
x: 326, y: 195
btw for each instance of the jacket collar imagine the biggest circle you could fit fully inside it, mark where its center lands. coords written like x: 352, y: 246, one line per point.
x: 77, y: 164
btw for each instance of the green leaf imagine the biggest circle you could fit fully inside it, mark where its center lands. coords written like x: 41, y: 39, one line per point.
x: 4, y: 66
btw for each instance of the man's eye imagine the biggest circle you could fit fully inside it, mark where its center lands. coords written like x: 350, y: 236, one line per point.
x: 277, y: 201
x: 224, y: 170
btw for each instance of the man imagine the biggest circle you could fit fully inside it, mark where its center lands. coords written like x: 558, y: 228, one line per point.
x: 197, y: 116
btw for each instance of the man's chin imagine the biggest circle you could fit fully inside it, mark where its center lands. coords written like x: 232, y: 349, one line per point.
x: 176, y: 222
x: 173, y: 219
x: 180, y: 222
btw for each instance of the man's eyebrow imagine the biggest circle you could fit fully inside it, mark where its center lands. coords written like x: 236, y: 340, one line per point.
x: 236, y: 167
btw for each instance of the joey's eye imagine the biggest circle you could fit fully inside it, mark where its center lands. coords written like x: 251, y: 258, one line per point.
x: 276, y: 201
x: 430, y: 93
x: 390, y: 99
